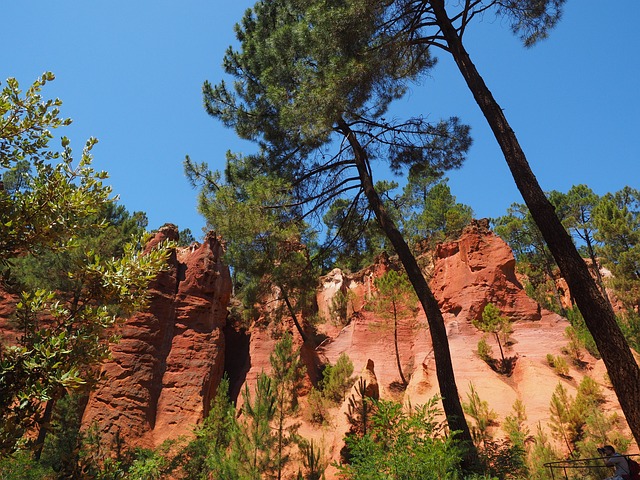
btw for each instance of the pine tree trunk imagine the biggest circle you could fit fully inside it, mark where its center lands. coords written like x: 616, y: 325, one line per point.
x: 595, y: 308
x: 292, y: 312
x: 395, y: 340
x: 444, y: 368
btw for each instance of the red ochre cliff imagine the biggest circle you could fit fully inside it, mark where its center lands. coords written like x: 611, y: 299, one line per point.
x: 170, y: 359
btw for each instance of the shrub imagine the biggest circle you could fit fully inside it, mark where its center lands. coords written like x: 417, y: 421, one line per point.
x: 559, y: 365
x: 317, y: 407
x: 485, y: 352
x: 337, y: 379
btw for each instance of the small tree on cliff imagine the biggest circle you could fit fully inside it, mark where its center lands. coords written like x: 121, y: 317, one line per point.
x: 253, y: 442
x: 287, y: 374
x: 50, y: 195
x: 268, y: 244
x: 500, y: 327
x: 397, y: 301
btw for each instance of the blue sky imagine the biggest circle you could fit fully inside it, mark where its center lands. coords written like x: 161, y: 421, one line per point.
x: 130, y: 73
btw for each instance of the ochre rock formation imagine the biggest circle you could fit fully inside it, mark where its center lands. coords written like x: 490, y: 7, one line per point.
x: 467, y: 274
x: 8, y: 302
x: 477, y: 269
x: 170, y: 359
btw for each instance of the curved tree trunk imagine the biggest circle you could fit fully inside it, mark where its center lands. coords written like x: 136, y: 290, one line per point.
x: 395, y: 341
x: 595, y: 308
x: 444, y: 368
x: 292, y: 312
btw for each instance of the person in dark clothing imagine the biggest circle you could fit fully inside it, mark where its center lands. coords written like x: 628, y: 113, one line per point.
x: 614, y: 459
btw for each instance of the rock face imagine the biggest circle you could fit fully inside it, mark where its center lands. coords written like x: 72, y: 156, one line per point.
x: 170, y: 359
x: 477, y: 269
x: 8, y: 302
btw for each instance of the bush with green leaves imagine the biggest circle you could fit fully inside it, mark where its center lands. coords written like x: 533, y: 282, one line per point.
x: 403, y: 444
x: 485, y: 352
x: 49, y: 196
x: 559, y: 364
x: 337, y: 379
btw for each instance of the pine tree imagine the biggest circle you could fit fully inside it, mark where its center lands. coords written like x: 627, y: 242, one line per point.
x: 287, y: 375
x: 254, y: 439
x: 314, y: 100
x: 209, y: 454
x: 396, y: 300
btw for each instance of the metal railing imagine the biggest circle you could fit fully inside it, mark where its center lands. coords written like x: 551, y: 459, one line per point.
x: 580, y: 468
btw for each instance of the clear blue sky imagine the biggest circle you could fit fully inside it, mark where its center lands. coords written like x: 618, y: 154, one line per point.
x: 130, y: 73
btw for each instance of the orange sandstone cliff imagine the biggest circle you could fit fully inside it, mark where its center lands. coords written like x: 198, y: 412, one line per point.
x: 170, y: 359
x: 167, y: 366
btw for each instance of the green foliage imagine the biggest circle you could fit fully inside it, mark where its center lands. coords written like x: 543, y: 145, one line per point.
x: 581, y: 331
x: 484, y: 417
x: 208, y: 455
x: 317, y: 407
x: 337, y: 379
x: 61, y: 448
x: 43, y: 201
x: 617, y: 218
x: 359, y: 409
x: 515, y: 427
x: 503, y: 459
x: 287, y: 375
x: 500, y: 327
x: 396, y: 300
x: 356, y: 238
x: 253, y: 443
x: 403, y: 444
x: 559, y: 364
x: 575, y: 210
x: 185, y: 237
x: 150, y: 464
x: 574, y: 346
x: 313, y: 460
x: 339, y: 308
x: 432, y: 211
x: 312, y: 84
x: 542, y: 451
x: 71, y: 295
x: 565, y: 425
x: 533, y: 257
x: 629, y: 322
x: 267, y: 242
x: 579, y: 423
x: 20, y: 466
x: 485, y: 352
